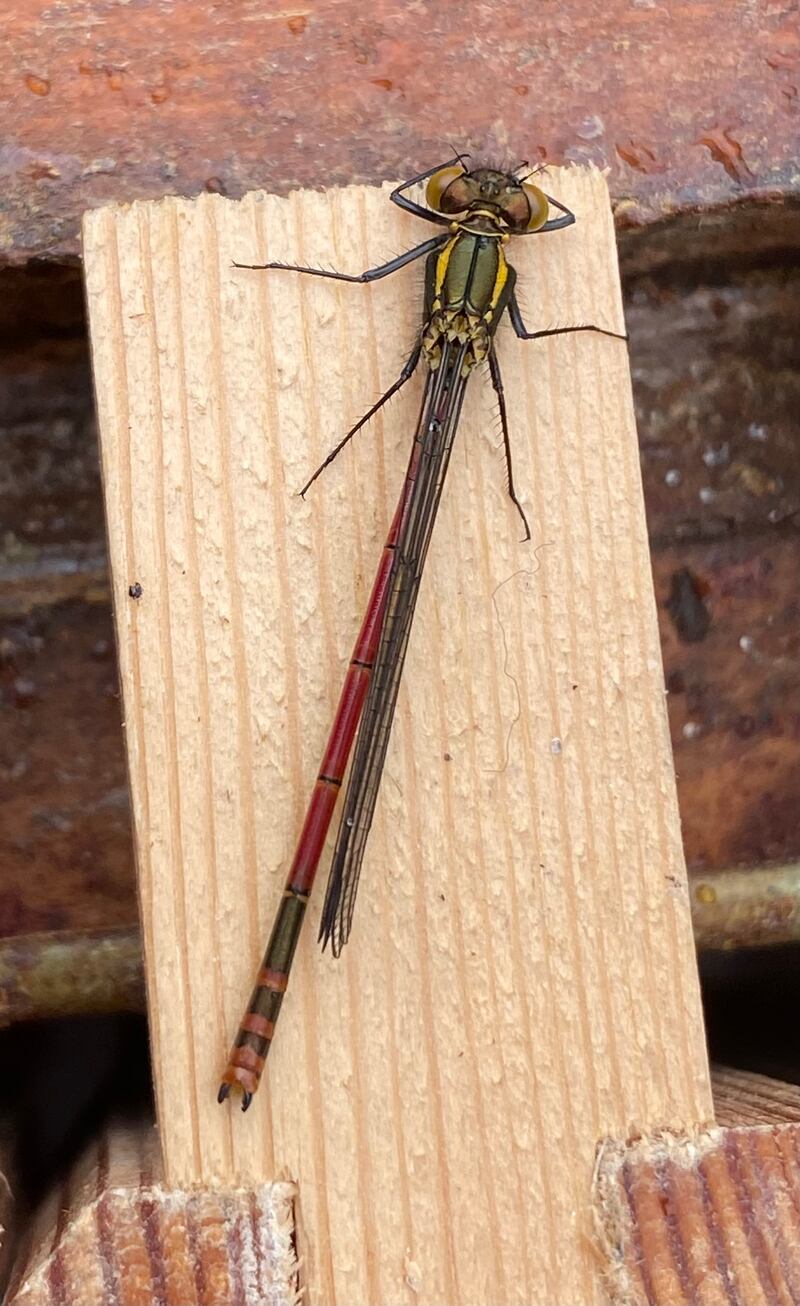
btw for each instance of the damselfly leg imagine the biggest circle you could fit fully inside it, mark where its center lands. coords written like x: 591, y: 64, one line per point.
x: 371, y: 274
x: 524, y: 334
x: 406, y: 374
x: 497, y: 382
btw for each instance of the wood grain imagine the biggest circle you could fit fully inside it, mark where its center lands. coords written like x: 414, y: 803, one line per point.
x: 704, y: 1219
x: 743, y: 1098
x: 521, y: 977
x: 708, y: 1217
x: 112, y: 1234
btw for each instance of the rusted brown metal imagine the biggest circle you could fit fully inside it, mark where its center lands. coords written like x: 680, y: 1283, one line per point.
x: 51, y: 513
x: 716, y: 371
x: 747, y: 907
x: 68, y: 974
x: 733, y: 698
x: 717, y: 383
x: 65, y: 837
x: 691, y: 106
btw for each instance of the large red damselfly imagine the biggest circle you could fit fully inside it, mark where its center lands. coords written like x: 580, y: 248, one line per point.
x: 468, y: 287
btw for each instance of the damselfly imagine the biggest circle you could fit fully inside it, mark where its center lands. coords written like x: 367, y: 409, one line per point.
x: 468, y: 287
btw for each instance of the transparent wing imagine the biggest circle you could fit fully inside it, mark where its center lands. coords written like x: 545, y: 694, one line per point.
x: 436, y: 429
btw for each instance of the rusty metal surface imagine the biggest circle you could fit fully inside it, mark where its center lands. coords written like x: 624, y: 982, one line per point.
x: 716, y: 369
x: 691, y: 106
x: 65, y: 840
x: 734, y: 700
x: 50, y: 501
x: 71, y: 973
x: 746, y: 907
x: 715, y: 360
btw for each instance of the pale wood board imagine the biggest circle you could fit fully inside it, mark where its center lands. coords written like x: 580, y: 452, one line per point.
x: 521, y: 977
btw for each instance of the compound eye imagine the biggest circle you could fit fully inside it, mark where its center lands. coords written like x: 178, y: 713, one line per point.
x: 439, y: 183
x: 539, y: 207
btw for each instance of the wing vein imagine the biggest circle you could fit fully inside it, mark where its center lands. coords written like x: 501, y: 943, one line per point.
x: 433, y: 443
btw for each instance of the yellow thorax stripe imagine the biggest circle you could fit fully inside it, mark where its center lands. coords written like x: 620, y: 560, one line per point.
x: 501, y: 278
x: 443, y: 262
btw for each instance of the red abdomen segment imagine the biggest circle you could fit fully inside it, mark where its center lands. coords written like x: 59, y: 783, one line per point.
x: 249, y: 1052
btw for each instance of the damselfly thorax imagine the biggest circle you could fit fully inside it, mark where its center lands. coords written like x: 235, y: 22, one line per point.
x: 467, y: 288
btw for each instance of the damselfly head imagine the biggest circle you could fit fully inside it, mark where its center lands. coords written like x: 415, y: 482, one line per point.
x: 516, y: 205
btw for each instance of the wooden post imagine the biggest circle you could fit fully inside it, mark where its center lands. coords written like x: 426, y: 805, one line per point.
x: 521, y: 977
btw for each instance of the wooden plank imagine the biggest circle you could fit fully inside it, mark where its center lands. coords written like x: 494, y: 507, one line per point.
x: 110, y: 1231
x: 670, y: 1215
x: 521, y: 978
x: 703, y: 1219
x: 743, y: 1098
x: 708, y: 1217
